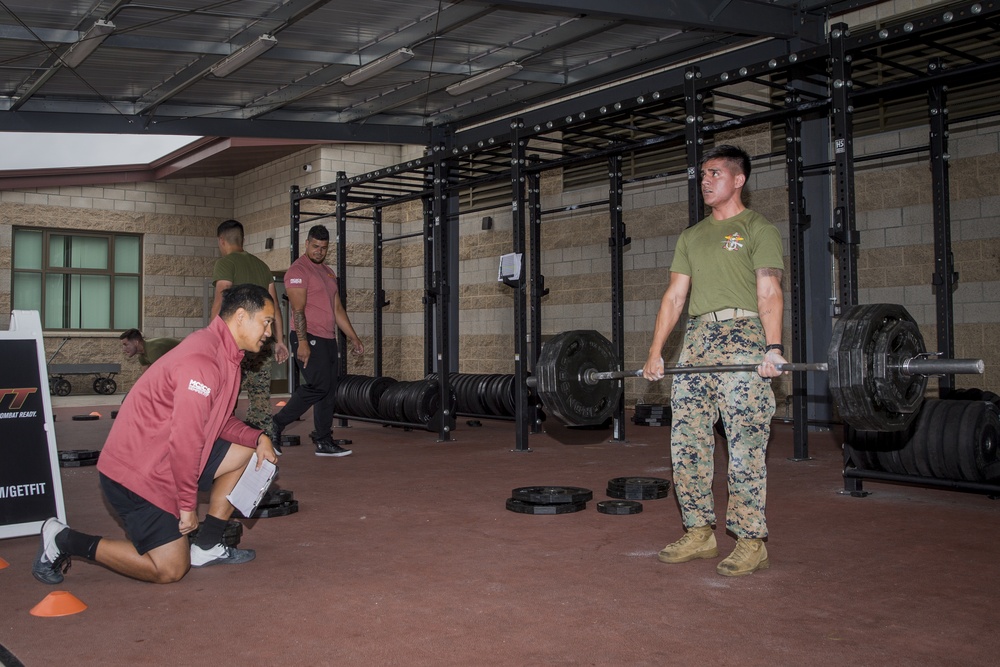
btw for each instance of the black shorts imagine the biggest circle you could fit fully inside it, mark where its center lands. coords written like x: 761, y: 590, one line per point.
x: 147, y: 525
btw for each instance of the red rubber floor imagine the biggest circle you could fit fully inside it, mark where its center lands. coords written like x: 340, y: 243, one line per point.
x: 403, y: 554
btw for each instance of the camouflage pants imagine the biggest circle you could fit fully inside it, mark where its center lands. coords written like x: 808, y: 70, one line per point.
x: 257, y: 385
x: 746, y: 403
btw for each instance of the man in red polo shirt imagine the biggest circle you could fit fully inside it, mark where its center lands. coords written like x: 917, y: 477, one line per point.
x: 317, y: 313
x: 175, y: 435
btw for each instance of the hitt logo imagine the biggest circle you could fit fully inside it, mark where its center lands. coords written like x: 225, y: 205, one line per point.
x: 17, y: 397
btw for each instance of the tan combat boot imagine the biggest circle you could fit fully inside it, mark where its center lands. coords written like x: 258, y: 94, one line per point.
x: 749, y: 556
x: 698, y: 542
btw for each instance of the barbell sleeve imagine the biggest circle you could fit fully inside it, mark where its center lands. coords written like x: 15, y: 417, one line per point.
x: 932, y: 366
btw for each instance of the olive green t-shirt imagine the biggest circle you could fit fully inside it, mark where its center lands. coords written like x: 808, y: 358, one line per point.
x: 722, y: 257
x: 156, y: 348
x: 241, y: 267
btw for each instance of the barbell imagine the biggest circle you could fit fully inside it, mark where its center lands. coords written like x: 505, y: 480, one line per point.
x: 877, y: 364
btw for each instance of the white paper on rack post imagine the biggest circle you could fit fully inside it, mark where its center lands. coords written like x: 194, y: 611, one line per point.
x: 252, y: 485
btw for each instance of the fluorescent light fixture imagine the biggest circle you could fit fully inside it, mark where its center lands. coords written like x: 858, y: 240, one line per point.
x: 480, y: 80
x: 376, y: 67
x: 82, y: 48
x: 243, y: 55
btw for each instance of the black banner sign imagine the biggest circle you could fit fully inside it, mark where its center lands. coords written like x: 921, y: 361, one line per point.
x: 30, y: 489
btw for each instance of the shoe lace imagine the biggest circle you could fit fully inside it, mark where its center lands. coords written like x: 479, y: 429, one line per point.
x: 744, y: 550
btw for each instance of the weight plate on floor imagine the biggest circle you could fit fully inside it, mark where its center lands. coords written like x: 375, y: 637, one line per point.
x: 85, y: 418
x: 642, y: 493
x: 521, y: 507
x: 552, y: 495
x: 632, y: 483
x: 619, y: 507
x: 276, y: 497
x: 284, y: 509
x: 79, y: 454
x: 290, y: 441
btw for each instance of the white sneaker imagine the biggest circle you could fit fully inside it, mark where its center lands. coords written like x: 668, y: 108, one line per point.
x: 220, y: 554
x: 50, y: 564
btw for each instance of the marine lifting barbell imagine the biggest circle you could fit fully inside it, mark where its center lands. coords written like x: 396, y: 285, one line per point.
x: 878, y: 369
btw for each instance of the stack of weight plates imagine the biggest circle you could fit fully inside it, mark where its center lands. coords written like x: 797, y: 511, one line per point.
x: 276, y: 502
x: 74, y: 458
x: 647, y: 414
x: 638, y: 488
x: 548, y: 499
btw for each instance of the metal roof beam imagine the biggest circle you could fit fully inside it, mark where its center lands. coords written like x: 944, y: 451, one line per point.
x: 98, y: 123
x: 744, y: 17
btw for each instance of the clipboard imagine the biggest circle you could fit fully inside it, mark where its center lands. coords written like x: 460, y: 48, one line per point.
x: 252, y: 486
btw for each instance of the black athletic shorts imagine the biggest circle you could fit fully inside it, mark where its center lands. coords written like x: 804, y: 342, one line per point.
x: 147, y: 525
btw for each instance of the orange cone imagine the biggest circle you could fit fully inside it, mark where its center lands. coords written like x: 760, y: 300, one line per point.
x: 3, y: 563
x: 95, y: 414
x: 280, y: 404
x: 58, y: 603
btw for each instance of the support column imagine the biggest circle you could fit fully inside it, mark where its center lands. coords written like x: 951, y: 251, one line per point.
x: 945, y: 278
x: 616, y: 245
x: 518, y: 184
x: 693, y: 142
x: 797, y: 222
x: 441, y: 293
x: 379, y: 294
x: 537, y: 281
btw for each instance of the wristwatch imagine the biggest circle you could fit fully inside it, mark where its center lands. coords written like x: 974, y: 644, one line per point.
x: 775, y: 346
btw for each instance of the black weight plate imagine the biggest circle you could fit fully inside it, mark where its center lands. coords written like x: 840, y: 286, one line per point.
x: 866, y: 348
x: 950, y: 440
x: 968, y: 424
x: 619, y: 507
x: 521, y: 507
x: 290, y: 441
x: 85, y: 418
x: 67, y: 463
x: 559, y: 371
x: 987, y: 443
x: 552, y: 495
x: 632, y: 483
x: 114, y: 413
x: 642, y: 493
x: 935, y: 447
x: 276, y: 497
x: 509, y: 398
x: 284, y: 509
x: 78, y: 454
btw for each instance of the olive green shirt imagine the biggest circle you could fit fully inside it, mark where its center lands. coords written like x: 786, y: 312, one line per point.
x: 241, y: 267
x: 154, y: 348
x: 722, y: 257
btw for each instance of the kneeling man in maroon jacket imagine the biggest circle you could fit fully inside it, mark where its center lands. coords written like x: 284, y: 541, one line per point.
x: 175, y: 435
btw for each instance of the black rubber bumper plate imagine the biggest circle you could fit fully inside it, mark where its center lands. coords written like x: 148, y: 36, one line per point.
x: 521, y: 507
x: 74, y: 458
x: 619, y: 507
x: 638, y: 488
x: 552, y: 495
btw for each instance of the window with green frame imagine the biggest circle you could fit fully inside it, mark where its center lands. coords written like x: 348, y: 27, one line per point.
x: 78, y: 280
